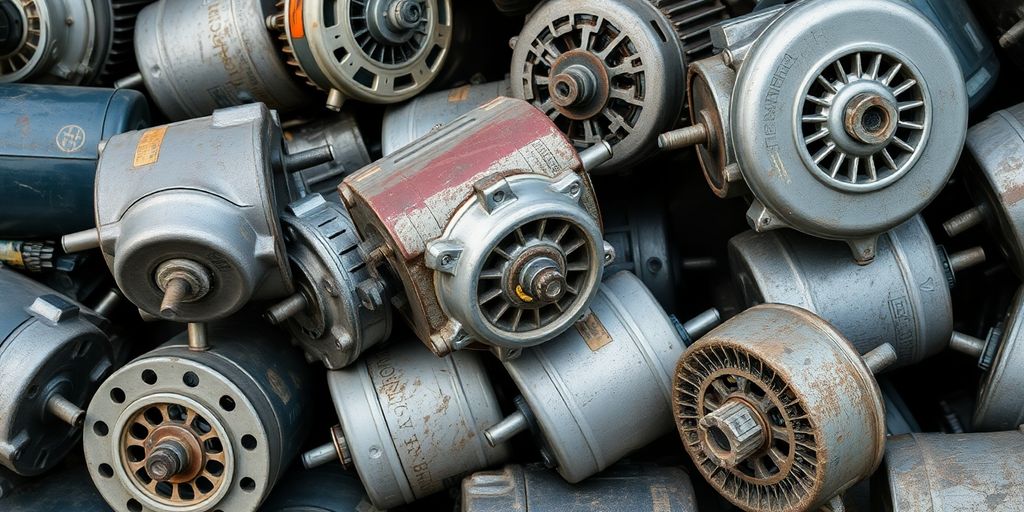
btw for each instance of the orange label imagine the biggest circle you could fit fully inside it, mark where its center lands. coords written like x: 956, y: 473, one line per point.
x: 295, y: 19
x: 147, y: 151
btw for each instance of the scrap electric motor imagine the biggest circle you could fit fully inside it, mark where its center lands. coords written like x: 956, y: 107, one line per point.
x: 187, y: 213
x: 839, y: 129
x: 612, y: 70
x: 490, y: 224
x: 178, y: 429
x: 54, y: 353
x: 49, y: 145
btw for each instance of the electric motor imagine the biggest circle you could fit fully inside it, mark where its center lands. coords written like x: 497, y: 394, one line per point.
x: 996, y: 146
x: 902, y: 298
x: 53, y: 356
x: 635, y: 226
x: 417, y: 117
x: 52, y: 41
x: 840, y: 130
x: 377, y: 51
x: 196, y: 56
x: 49, y: 138
x: 350, y: 154
x: 339, y: 310
x: 611, y: 70
x: 778, y: 411
x: 491, y: 225
x: 411, y: 422
x: 178, y: 429
x: 187, y: 213
x: 601, y: 389
x: 952, y: 472
x: 633, y: 487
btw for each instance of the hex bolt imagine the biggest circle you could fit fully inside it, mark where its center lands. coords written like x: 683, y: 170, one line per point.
x: 684, y: 137
x: 1013, y: 35
x: 967, y: 344
x: 80, y: 241
x: 880, y: 358
x: 286, y: 309
x: 964, y: 221
x: 197, y: 341
x: 542, y: 278
x: 311, y: 157
x: 732, y: 432
x: 166, y: 460
x: 596, y: 155
x: 966, y: 258
x: 507, y: 428
x: 65, y: 410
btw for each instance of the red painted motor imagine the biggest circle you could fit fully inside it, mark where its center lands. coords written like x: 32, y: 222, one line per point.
x: 491, y: 225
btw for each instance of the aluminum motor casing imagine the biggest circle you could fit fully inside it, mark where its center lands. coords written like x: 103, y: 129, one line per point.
x: 412, y: 421
x: 960, y: 472
x: 760, y: 103
x: 196, y: 56
x: 61, y: 41
x: 407, y: 202
x: 632, y: 487
x: 336, y: 325
x: 49, y: 138
x: 200, y: 190
x: 999, y: 405
x: 50, y: 345
x: 631, y: 90
x: 902, y: 298
x: 350, y: 154
x: 602, y: 389
x: 419, y: 116
x: 828, y: 421
x: 249, y: 387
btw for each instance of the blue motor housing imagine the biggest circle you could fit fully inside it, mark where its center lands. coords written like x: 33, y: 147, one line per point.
x: 49, y: 145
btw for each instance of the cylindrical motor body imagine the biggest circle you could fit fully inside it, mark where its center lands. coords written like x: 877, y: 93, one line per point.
x: 633, y: 487
x: 901, y: 298
x: 999, y: 405
x: 49, y: 140
x: 55, y: 41
x: 475, y: 216
x: 53, y: 356
x: 178, y: 429
x: 960, y: 472
x: 778, y: 411
x: 196, y: 56
x: 603, y: 388
x: 419, y: 116
x: 350, y: 154
x: 412, y: 423
x: 636, y: 227
x: 193, y: 204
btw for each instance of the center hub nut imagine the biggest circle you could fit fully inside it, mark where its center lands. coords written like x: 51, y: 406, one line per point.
x: 870, y: 119
x: 543, y: 279
x: 732, y: 433
x: 166, y: 461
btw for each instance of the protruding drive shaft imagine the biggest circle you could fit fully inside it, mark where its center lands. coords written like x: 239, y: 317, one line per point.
x: 175, y: 292
x: 305, y: 159
x: 166, y: 460
x: 66, y: 411
x: 1013, y: 35
x: 596, y: 155
x: 967, y: 344
x: 684, y: 137
x: 880, y: 358
x: 964, y: 221
x: 286, y: 309
x: 966, y: 258
x: 132, y: 81
x: 700, y: 325
x: 507, y: 429
x: 80, y: 241
x: 197, y: 337
x: 319, y: 456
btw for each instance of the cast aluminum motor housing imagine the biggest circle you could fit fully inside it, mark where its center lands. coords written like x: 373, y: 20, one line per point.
x: 342, y: 133
x: 196, y: 56
x: 187, y: 213
x: 339, y: 310
x: 377, y: 51
x: 411, y: 422
x: 53, y: 356
x: 55, y: 41
x: 623, y: 487
x: 778, y: 411
x: 49, y: 146
x: 602, y: 389
x: 419, y: 116
x: 611, y: 70
x: 469, y: 213
x: 180, y: 430
x: 996, y: 146
x: 952, y: 472
x: 839, y: 130
x: 902, y: 298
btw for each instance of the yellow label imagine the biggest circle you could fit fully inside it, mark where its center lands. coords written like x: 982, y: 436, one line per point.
x: 459, y: 94
x: 593, y: 332
x: 523, y: 296
x: 10, y: 253
x: 147, y: 151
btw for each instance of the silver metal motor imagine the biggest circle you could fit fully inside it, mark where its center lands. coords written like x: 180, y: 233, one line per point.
x: 178, y: 429
x: 601, y: 389
x: 377, y: 51
x: 187, y: 213
x: 196, y: 56
x: 54, y: 41
x: 611, y: 70
x: 1001, y: 356
x: 339, y: 310
x: 53, y: 356
x: 778, y: 411
x: 342, y: 133
x: 637, y: 488
x: 411, y: 422
x: 419, y: 116
x: 952, y: 472
x: 902, y: 298
x: 995, y: 146
x: 491, y: 225
x: 840, y: 130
